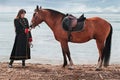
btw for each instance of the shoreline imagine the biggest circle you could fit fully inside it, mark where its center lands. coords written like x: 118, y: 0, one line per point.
x: 37, y: 71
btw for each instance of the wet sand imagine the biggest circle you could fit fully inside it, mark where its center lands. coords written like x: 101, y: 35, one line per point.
x: 36, y: 71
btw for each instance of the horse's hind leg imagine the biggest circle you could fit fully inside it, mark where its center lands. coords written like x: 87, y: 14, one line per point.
x: 100, y: 45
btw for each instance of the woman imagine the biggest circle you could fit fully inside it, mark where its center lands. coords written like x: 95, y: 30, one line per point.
x: 23, y: 39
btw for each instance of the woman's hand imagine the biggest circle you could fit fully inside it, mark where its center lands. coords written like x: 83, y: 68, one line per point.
x: 30, y: 40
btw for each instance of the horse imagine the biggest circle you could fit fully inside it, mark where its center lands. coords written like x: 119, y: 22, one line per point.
x: 94, y: 28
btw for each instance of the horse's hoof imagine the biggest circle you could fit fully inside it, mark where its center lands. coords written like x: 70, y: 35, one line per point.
x: 71, y: 68
x: 10, y: 66
x: 98, y: 69
x: 105, y: 66
x: 63, y: 67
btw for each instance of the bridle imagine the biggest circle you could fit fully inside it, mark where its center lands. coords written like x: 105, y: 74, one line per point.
x: 33, y: 27
x: 34, y: 21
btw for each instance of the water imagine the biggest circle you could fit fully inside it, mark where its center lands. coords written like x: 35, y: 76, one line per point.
x: 47, y: 50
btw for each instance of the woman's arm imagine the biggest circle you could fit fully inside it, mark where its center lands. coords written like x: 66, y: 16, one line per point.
x: 29, y: 33
x: 17, y: 26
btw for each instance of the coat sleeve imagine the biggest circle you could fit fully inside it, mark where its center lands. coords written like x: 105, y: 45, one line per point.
x: 30, y: 36
x: 27, y: 23
x: 17, y: 26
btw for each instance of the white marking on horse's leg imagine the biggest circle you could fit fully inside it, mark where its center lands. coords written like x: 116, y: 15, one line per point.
x: 99, y: 65
x: 71, y: 62
x: 71, y: 65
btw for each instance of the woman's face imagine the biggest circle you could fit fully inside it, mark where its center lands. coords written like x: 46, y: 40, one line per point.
x: 23, y: 15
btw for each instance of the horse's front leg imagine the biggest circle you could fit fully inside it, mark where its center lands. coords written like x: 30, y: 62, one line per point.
x: 69, y: 57
x: 64, y: 57
x: 65, y: 51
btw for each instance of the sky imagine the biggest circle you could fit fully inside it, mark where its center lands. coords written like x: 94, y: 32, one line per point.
x: 75, y: 6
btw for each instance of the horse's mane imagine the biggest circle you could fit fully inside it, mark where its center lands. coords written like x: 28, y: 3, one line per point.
x: 55, y: 13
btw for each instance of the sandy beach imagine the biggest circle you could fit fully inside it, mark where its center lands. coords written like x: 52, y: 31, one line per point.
x: 56, y: 72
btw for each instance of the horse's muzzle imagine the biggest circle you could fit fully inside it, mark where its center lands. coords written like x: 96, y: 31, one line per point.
x: 30, y: 26
x: 33, y: 26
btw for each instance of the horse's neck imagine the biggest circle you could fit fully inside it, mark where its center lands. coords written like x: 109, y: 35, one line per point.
x: 49, y: 22
x: 53, y: 22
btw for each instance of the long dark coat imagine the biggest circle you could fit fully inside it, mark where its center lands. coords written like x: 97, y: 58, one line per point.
x: 21, y: 48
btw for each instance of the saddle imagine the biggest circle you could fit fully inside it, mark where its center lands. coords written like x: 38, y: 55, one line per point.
x: 70, y: 24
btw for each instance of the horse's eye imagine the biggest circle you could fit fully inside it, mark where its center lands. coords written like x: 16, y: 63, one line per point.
x: 34, y: 15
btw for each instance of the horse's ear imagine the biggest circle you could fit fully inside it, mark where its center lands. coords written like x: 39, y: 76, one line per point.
x: 37, y: 7
x: 40, y: 7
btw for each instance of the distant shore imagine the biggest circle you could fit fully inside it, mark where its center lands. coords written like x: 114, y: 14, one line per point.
x: 36, y: 71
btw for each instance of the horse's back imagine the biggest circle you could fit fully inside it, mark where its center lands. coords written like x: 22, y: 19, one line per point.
x: 97, y: 20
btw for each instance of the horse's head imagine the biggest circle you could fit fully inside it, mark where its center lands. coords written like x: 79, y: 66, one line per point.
x: 37, y: 17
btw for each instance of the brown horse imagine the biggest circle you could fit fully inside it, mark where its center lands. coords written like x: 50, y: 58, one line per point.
x: 94, y: 28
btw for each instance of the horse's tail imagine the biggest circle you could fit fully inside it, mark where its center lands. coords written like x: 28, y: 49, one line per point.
x: 107, y: 48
